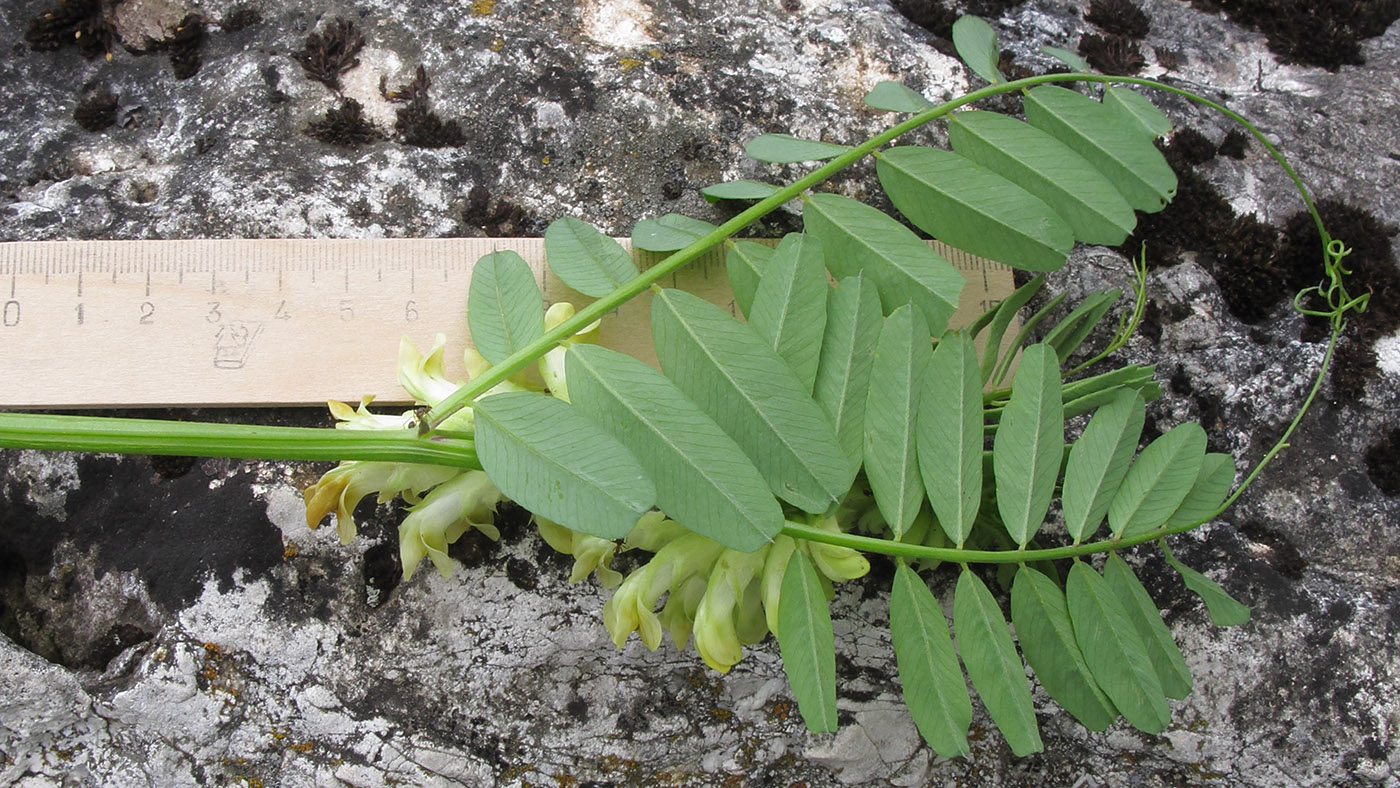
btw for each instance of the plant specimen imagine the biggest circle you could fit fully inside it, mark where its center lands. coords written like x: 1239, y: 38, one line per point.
x: 769, y: 456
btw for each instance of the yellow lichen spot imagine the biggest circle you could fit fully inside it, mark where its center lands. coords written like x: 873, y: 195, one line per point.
x: 628, y: 63
x: 544, y: 160
x: 562, y: 780
x: 655, y: 53
x: 302, y: 747
x: 290, y: 551
x: 211, y: 647
x: 483, y: 7
x: 512, y: 772
x: 497, y: 44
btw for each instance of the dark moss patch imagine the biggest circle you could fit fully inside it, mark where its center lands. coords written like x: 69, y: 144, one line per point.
x: 1112, y: 53
x: 1326, y: 33
x: 1244, y: 268
x: 416, y: 123
x: 241, y: 17
x: 80, y: 23
x: 344, y: 125
x: 328, y: 54
x: 931, y: 15
x: 1190, y: 148
x: 171, y: 467
x: 1119, y: 17
x: 495, y: 216
x: 522, y: 574
x: 97, y: 110
x: 1283, y: 555
x: 183, y: 46
x: 382, y: 572
x: 1235, y: 144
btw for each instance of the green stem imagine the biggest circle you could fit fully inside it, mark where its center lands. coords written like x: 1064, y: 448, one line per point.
x: 155, y: 436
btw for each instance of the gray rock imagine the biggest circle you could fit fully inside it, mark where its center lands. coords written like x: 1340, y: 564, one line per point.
x: 178, y: 624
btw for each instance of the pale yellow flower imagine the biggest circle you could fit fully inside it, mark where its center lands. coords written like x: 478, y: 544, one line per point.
x: 467, y: 501
x: 552, y: 364
x: 341, y: 489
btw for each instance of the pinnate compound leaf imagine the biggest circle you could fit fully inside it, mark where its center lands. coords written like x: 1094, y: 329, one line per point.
x: 976, y: 43
x: 1048, y: 169
x: 950, y: 435
x: 1166, y: 658
x: 1132, y: 104
x: 1113, y: 143
x: 1114, y: 650
x: 896, y: 97
x: 585, y: 259
x: 738, y: 190
x: 504, y: 308
x: 859, y: 239
x: 789, y: 307
x: 1158, y: 481
x: 742, y: 383
x: 991, y: 661
x: 1071, y: 59
x: 1224, y: 610
x: 1029, y: 444
x: 787, y: 149
x: 807, y: 644
x: 1046, y: 635
x: 934, y: 689
x: 853, y: 321
x: 556, y: 462
x: 1212, y: 484
x: 966, y: 205
x: 897, y: 378
x: 1099, y: 460
x: 744, y: 263
x: 703, y: 479
x: 669, y: 233
x: 1070, y: 332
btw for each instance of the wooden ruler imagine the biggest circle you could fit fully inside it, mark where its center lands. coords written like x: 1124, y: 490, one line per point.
x: 280, y: 322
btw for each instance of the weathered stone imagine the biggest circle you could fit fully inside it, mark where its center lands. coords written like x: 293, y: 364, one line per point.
x: 193, y: 631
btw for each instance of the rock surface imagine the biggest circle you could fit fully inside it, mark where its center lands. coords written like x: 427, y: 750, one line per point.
x: 174, y: 622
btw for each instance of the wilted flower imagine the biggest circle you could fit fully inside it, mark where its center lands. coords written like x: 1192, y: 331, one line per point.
x: 341, y: 488
x: 360, y: 418
x: 590, y: 552
x: 468, y: 501
x: 552, y: 363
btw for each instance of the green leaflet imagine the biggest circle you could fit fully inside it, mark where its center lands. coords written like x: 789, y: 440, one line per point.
x: 950, y: 435
x: 789, y: 307
x: 585, y: 259
x: 1224, y: 610
x: 669, y: 233
x: 976, y: 43
x: 1004, y: 365
x: 703, y: 480
x: 859, y: 239
x: 734, y: 376
x: 1029, y: 444
x: 1128, y: 103
x: 1166, y: 658
x: 744, y: 263
x: 1048, y: 169
x: 807, y: 644
x: 1046, y: 635
x: 1070, y: 333
x: 787, y: 149
x: 1098, y: 462
x: 934, y: 689
x: 1158, y: 481
x: 1001, y: 319
x: 991, y: 661
x: 1114, y: 650
x: 554, y: 461
x: 896, y: 97
x: 966, y: 205
x: 504, y: 308
x: 891, y: 459
x: 1212, y: 484
x: 1071, y: 59
x: 853, y: 321
x: 738, y: 190
x: 1111, y: 142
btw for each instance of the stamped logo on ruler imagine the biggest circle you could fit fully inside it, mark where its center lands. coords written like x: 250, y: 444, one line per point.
x: 278, y: 322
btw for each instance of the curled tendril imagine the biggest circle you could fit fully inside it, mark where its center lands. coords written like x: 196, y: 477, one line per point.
x: 1333, y: 291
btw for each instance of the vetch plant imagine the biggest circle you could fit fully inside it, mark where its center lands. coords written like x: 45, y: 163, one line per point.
x: 770, y: 456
